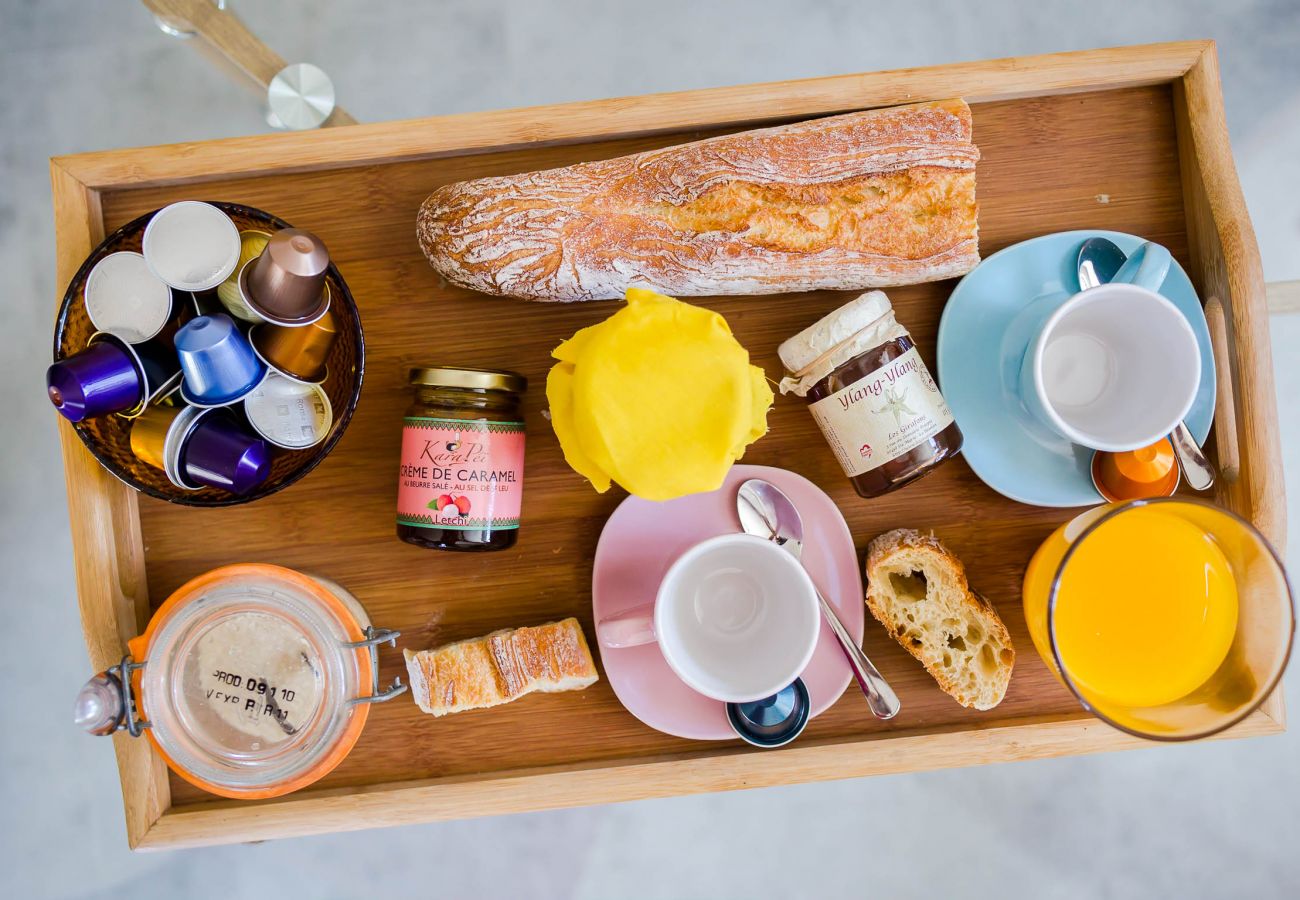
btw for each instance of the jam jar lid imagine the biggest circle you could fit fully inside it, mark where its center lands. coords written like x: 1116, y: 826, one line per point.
x: 475, y: 379
x: 862, y: 324
x: 256, y: 679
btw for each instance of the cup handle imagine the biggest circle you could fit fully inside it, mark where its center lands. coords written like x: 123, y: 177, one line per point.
x: 630, y: 628
x: 1146, y: 268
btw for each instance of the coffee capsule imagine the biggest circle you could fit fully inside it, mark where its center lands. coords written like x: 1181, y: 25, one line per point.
x: 176, y: 435
x: 285, y: 285
x: 251, y: 245
x: 299, y: 353
x: 149, y: 433
x: 162, y: 370
x: 101, y: 379
x: 192, y: 246
x: 1150, y: 471
x: 288, y: 413
x: 773, y: 721
x: 124, y: 298
x: 219, y: 364
x: 213, y: 449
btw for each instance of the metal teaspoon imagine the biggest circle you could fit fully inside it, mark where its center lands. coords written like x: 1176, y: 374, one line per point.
x: 768, y: 513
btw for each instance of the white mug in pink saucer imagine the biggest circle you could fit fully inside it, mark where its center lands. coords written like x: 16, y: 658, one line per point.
x: 642, y: 539
x: 736, y: 618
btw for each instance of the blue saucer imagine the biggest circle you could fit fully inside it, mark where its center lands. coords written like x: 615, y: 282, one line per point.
x: 982, y: 343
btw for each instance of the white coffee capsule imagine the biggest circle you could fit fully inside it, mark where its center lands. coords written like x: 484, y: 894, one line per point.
x: 125, y: 299
x: 288, y: 413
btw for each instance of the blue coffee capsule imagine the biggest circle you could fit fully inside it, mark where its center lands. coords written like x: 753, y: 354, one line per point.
x: 218, y: 363
x: 773, y: 721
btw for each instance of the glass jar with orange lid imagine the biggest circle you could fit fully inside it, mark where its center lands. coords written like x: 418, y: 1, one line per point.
x: 251, y: 681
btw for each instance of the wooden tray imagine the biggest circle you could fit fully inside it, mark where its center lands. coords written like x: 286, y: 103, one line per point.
x: 1129, y: 139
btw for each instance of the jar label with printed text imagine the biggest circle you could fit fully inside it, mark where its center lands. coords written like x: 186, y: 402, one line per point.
x: 460, y: 474
x: 882, y: 415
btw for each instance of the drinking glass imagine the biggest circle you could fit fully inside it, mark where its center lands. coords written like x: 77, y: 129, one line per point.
x: 1260, y: 648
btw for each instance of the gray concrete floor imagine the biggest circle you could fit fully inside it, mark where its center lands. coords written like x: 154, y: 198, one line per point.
x: 1208, y: 820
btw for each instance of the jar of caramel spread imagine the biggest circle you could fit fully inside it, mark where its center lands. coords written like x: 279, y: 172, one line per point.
x: 461, y: 476
x: 871, y: 394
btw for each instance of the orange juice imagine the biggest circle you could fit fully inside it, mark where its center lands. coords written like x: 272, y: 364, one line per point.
x: 1146, y: 609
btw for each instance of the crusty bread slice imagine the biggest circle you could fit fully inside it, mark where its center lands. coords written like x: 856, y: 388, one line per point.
x: 918, y: 590
x: 500, y: 667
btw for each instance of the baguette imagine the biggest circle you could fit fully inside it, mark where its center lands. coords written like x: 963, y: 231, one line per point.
x: 868, y: 199
x: 503, y: 666
x: 917, y: 589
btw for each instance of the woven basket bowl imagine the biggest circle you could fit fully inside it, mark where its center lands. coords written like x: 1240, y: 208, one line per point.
x: 108, y: 437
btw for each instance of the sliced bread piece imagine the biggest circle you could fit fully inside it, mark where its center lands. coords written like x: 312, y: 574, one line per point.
x: 917, y: 589
x: 500, y: 667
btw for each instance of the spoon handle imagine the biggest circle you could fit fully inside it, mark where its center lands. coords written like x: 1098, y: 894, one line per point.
x: 1196, y: 468
x: 880, y: 696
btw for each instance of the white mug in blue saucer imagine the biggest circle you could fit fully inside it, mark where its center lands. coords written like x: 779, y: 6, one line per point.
x: 993, y: 316
x: 1114, y: 367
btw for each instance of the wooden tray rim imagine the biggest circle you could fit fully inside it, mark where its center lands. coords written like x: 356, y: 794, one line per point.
x: 108, y: 548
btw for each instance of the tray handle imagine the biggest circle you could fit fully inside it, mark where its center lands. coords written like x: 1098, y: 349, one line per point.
x: 1225, y: 411
x: 1226, y: 265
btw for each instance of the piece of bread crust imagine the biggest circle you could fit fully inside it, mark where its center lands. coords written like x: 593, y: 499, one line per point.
x: 500, y: 667
x: 867, y: 199
x: 917, y: 589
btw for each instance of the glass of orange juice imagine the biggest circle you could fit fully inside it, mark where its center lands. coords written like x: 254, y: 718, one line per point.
x: 1169, y: 618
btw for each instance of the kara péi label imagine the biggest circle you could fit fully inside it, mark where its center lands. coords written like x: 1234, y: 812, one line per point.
x: 882, y: 415
x: 459, y: 474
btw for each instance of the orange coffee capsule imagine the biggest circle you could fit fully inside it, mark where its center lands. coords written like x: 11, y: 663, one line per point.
x: 1136, y: 474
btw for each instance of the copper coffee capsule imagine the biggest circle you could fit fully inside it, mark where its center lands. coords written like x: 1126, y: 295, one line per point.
x: 300, y: 353
x: 251, y: 245
x: 285, y: 285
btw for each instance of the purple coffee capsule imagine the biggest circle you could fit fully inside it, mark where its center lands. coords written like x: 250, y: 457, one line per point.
x: 220, y: 453
x: 104, y: 378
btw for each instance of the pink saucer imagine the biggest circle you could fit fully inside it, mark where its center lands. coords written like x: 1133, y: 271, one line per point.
x: 642, y: 539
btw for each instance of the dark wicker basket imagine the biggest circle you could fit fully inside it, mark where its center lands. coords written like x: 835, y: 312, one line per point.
x: 107, y: 437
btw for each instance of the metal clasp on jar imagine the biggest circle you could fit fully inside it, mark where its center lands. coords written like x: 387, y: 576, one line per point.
x: 374, y: 638
x: 106, y: 703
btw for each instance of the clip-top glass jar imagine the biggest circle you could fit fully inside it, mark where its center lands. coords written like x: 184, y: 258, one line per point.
x: 251, y: 681
x: 871, y: 394
x: 461, y: 477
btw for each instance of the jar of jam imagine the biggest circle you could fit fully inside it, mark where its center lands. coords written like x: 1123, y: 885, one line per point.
x: 461, y: 476
x: 871, y: 394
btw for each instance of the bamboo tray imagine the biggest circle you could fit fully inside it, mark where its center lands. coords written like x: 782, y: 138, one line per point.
x: 1130, y: 139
